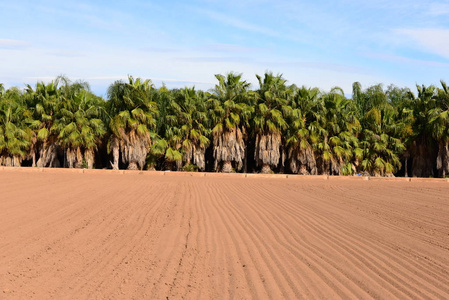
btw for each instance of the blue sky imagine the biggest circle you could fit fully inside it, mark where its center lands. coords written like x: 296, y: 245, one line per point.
x: 184, y: 43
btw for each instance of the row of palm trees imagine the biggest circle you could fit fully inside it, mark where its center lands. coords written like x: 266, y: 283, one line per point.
x: 232, y: 128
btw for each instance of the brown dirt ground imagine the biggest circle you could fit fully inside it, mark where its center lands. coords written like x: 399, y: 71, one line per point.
x: 152, y: 235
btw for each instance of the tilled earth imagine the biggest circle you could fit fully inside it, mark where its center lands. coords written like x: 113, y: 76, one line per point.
x: 102, y: 235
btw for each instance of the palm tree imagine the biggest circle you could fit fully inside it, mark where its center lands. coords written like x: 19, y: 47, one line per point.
x: 187, y: 132
x: 42, y: 102
x: 14, y: 132
x: 400, y: 98
x: 381, y: 141
x: 336, y: 126
x: 440, y: 128
x: 229, y: 113
x: 133, y: 118
x: 423, y: 147
x: 271, y: 109
x: 299, y: 136
x: 79, y: 126
x: 381, y: 149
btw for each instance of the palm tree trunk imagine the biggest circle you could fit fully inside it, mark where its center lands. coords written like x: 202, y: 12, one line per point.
x: 79, y: 158
x: 115, y: 153
x: 266, y: 169
x: 179, y: 165
x: 245, y: 161
x: 443, y: 159
x: 33, y: 157
x: 268, y: 150
x: 70, y: 157
x: 229, y: 146
x: 16, y: 161
x: 406, y: 167
x: 40, y: 162
x: 424, y: 157
x: 48, y: 156
x: 227, y: 167
x: 199, y: 157
x: 446, y: 160
x: 132, y: 165
x: 89, y: 157
x: 283, y: 155
x: 53, y: 157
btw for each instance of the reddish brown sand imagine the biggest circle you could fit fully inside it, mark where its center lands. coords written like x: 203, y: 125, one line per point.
x: 104, y: 235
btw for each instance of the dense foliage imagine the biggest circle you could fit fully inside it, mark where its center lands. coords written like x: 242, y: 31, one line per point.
x: 275, y: 127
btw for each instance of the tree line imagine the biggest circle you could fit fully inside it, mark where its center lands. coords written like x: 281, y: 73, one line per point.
x: 278, y: 127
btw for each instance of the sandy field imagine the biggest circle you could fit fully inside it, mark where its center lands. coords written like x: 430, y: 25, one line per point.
x: 69, y: 234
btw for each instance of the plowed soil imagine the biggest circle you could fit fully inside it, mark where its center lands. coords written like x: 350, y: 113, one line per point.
x: 104, y: 235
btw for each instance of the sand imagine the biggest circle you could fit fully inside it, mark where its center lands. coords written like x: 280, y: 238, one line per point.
x: 69, y: 234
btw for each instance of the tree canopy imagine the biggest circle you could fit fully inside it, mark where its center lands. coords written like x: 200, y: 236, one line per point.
x: 234, y: 127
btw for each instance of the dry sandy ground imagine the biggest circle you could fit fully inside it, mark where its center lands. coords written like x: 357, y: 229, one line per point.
x: 69, y: 235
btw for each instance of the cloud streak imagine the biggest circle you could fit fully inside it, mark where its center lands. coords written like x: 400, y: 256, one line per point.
x: 7, y: 44
x: 439, y: 9
x: 219, y: 47
x: 237, y: 23
x: 406, y: 60
x: 435, y: 40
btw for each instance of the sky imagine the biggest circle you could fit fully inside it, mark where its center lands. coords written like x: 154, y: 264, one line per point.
x: 185, y: 43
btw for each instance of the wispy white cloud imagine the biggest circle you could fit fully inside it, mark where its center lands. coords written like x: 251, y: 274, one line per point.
x: 434, y: 40
x: 219, y: 47
x: 65, y: 53
x: 438, y: 9
x: 329, y: 66
x: 174, y: 80
x: 152, y: 78
x: 214, y: 59
x: 87, y: 14
x: 238, y: 23
x: 13, y: 44
x: 159, y: 49
x: 110, y: 79
x: 107, y: 77
x: 405, y: 60
x: 44, y: 78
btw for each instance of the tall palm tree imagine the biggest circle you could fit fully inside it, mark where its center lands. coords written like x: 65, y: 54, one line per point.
x: 42, y: 102
x: 133, y: 115
x: 440, y: 128
x: 158, y: 150
x: 381, y: 148
x: 400, y: 98
x: 79, y: 126
x: 271, y: 109
x: 182, y: 135
x: 381, y: 141
x: 336, y: 126
x: 187, y: 133
x: 229, y: 112
x: 300, y: 138
x: 14, y: 132
x: 423, y: 147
